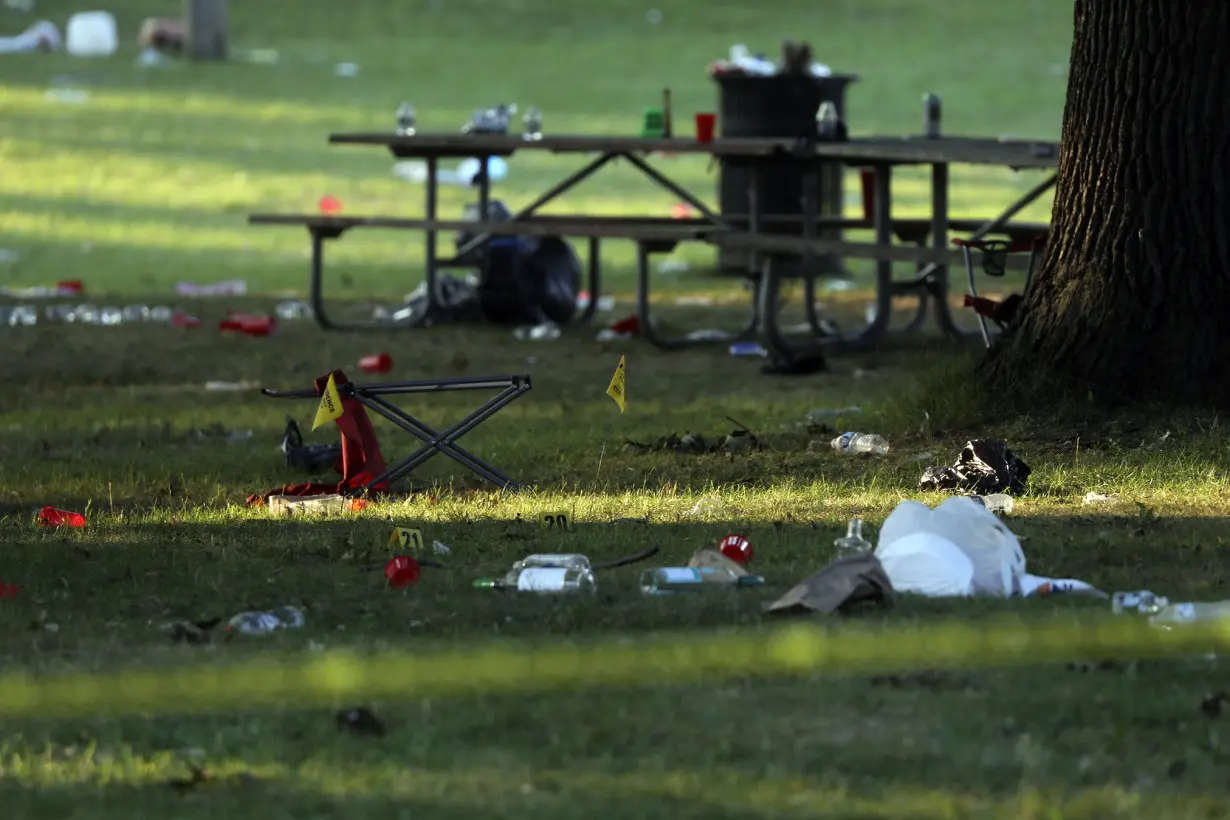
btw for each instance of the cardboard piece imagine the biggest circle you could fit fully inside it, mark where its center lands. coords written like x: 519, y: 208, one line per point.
x: 842, y: 583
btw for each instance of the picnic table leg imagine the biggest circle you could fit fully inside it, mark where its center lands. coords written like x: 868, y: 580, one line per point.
x: 938, y: 276
x: 429, y: 244
x: 642, y: 313
x: 811, y: 188
x: 882, y: 218
x: 595, y: 281
x: 316, y: 295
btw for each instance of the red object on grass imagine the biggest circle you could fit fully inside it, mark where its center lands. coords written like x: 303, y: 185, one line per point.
x: 377, y: 363
x: 361, y: 459
x: 330, y: 205
x: 706, y: 124
x: 71, y: 287
x: 51, y: 517
x: 736, y: 548
x: 181, y: 319
x: 681, y: 210
x: 9, y: 590
x: 628, y: 324
x: 867, y: 181
x: 249, y: 324
x: 402, y: 571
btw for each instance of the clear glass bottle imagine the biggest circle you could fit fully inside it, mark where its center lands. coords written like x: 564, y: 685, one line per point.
x: 262, y: 623
x: 531, y: 124
x: 1188, y: 613
x: 135, y: 313
x: 407, y: 120
x: 671, y: 580
x: 826, y: 119
x: 544, y: 580
x: 548, y: 560
x: 861, y: 443
x: 853, y: 541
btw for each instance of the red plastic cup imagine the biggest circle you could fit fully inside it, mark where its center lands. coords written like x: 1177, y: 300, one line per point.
x: 706, y: 124
x: 9, y: 590
x: 51, y: 517
x: 70, y: 287
x: 248, y: 324
x: 378, y: 363
x: 330, y: 205
x: 402, y: 571
x: 736, y: 548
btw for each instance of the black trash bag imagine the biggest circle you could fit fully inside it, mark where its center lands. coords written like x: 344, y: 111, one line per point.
x: 308, y: 458
x: 529, y: 282
x: 984, y: 466
x: 497, y: 211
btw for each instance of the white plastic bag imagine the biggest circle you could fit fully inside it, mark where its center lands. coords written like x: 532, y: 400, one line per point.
x: 994, y: 559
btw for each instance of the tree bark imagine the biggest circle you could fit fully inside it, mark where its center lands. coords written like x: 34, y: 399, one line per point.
x: 1132, y: 299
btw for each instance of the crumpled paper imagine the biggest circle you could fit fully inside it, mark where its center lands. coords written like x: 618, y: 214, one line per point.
x: 840, y: 585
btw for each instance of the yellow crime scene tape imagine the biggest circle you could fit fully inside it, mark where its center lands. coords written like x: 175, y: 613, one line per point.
x: 326, y: 678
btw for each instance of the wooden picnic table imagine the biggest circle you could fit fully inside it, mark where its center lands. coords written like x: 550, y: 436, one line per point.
x: 767, y: 247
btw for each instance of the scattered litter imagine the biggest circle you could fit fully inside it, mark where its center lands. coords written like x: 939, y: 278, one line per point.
x: 59, y: 290
x: 605, y: 303
x: 705, y: 506
x: 861, y: 443
x: 293, y: 309
x: 42, y: 36
x: 346, y: 70
x: 260, y: 56
x: 314, y: 504
x: 151, y: 57
x: 249, y: 324
x: 742, y: 349
x: 51, y: 517
x: 673, y: 266
x: 1035, y: 586
x: 1095, y: 498
x: 1172, y: 615
x: 20, y: 5
x: 674, y: 580
x: 9, y: 590
x: 853, y: 542
x: 228, y: 387
x: 653, y: 17
x: 1140, y: 601
x: 181, y: 319
x: 69, y: 96
x: 958, y: 549
x: 544, y: 332
x: 376, y: 363
x: 1162, y: 439
x: 264, y: 623
x: 570, y: 579
x: 736, y: 441
x: 359, y: 721
x: 921, y: 457
x: 231, y: 287
x: 630, y: 325
x: 695, y: 301
x: 836, y: 285
x: 402, y: 571
x: 709, y: 335
x: 608, y: 335
x: 440, y: 549
x: 713, y: 558
x: 329, y: 205
x: 796, y: 59
x: 997, y: 502
x: 984, y: 466
x: 736, y: 547
x: 838, y: 587
x: 553, y: 560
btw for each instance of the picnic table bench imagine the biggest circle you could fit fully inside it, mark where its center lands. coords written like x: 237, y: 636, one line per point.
x: 770, y: 239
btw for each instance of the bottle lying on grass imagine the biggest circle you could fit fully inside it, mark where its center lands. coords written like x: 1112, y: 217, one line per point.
x: 573, y: 578
x: 671, y: 580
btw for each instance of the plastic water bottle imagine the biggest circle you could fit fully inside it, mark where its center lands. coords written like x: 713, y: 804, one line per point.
x: 1187, y: 613
x: 406, y: 120
x: 262, y: 623
x: 996, y: 502
x: 861, y: 443
x: 853, y: 541
x: 544, y: 580
x: 1142, y: 601
x: 826, y: 120
x: 532, y: 124
x: 932, y: 115
x: 552, y: 561
x: 671, y: 580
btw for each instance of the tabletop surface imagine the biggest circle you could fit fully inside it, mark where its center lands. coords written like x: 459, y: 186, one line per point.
x: 867, y: 149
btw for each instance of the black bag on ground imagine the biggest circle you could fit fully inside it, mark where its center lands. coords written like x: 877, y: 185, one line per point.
x: 527, y: 281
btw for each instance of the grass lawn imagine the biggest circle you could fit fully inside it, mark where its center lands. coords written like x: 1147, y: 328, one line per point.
x: 147, y: 183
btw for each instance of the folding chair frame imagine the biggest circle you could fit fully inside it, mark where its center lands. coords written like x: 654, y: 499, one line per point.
x: 989, y: 246
x: 369, y: 395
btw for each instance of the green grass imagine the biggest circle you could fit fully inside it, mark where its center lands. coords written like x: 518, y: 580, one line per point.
x: 148, y: 183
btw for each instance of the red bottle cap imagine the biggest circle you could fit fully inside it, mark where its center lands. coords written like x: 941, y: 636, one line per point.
x: 402, y: 571
x: 736, y: 548
x: 378, y: 363
x: 51, y: 517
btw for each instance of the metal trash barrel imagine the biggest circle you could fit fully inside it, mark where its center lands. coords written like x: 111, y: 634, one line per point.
x: 781, y: 105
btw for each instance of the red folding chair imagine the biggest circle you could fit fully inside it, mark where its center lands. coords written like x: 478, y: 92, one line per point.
x: 994, y: 263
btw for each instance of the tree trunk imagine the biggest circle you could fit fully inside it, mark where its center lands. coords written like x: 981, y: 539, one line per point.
x: 1132, y: 299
